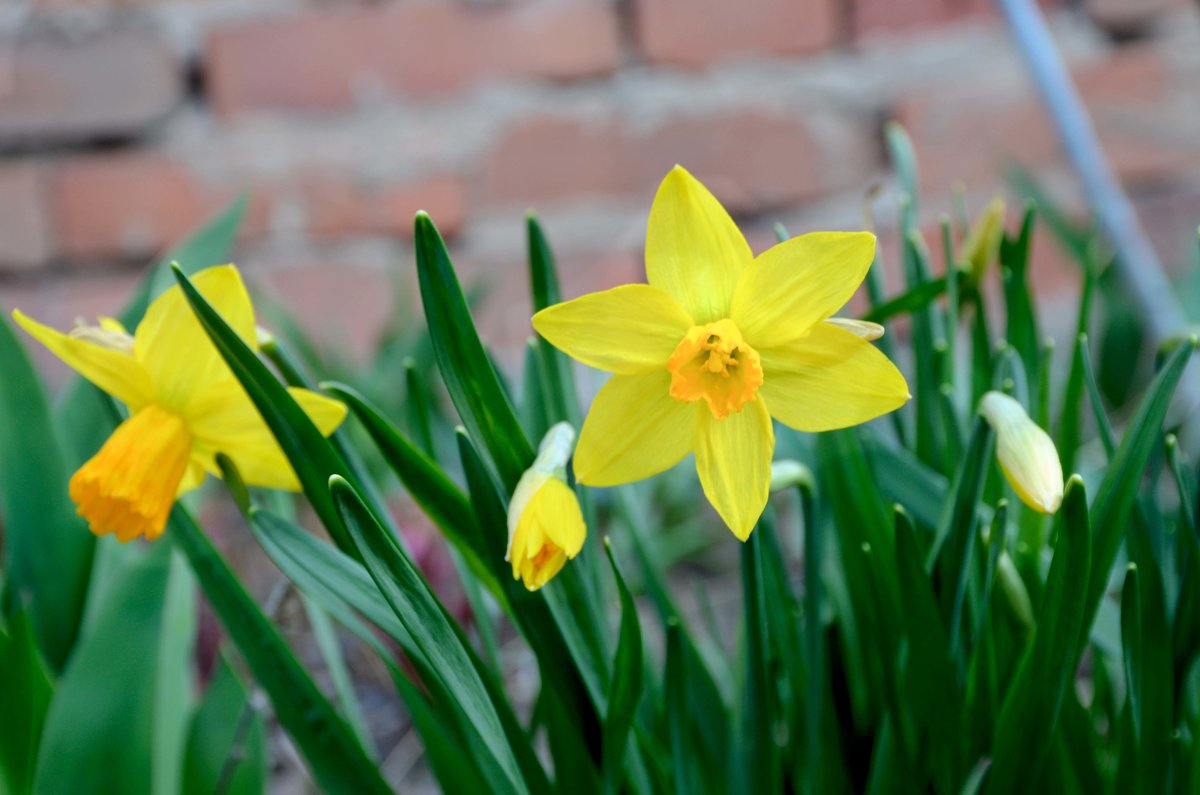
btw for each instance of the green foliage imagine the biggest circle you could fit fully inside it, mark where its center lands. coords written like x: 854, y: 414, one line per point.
x: 903, y: 622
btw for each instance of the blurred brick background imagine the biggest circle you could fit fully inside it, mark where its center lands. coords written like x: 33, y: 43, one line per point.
x: 124, y: 123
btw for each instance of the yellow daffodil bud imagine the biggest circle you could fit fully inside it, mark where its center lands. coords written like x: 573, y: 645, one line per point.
x: 1026, y: 453
x: 545, y: 525
x: 983, y: 239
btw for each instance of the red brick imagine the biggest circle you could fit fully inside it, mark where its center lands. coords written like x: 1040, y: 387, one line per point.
x: 323, y: 61
x: 336, y: 207
x: 694, y: 33
x: 25, y: 240
x: 959, y: 137
x: 132, y: 206
x: 752, y: 160
x: 340, y: 303
x: 62, y: 89
x: 124, y: 206
x: 875, y: 17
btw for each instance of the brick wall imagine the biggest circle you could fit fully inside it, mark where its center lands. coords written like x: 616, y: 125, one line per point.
x: 123, y: 123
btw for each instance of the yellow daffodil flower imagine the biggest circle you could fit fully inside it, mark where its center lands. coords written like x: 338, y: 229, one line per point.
x: 1026, y: 453
x: 545, y: 525
x: 718, y: 343
x: 185, y: 406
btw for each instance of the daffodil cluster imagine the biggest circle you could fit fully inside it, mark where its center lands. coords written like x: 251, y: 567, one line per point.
x: 716, y: 345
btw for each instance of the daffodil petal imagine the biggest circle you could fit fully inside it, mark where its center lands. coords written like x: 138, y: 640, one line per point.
x: 193, y: 476
x: 559, y: 513
x: 229, y: 423
x: 829, y: 379
x: 173, y: 346
x: 799, y: 282
x: 116, y: 372
x: 633, y: 430
x: 629, y: 329
x: 694, y: 250
x: 733, y: 459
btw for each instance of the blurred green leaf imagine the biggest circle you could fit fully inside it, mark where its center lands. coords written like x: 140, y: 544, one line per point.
x: 47, y: 548
x: 1071, y: 413
x: 25, y: 692
x: 328, y: 745
x: 325, y: 635
x: 102, y: 732
x: 1103, y: 425
x: 226, y: 749
x: 1021, y: 329
x: 904, y: 160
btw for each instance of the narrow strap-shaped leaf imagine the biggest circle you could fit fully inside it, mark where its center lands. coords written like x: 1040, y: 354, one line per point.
x: 683, y: 765
x: 438, y: 496
x: 1103, y: 424
x: 1071, y: 412
x: 814, y: 638
x: 417, y: 608
x: 925, y: 332
x: 558, y: 382
x: 342, y: 586
x: 932, y: 683
x: 466, y: 369
x: 101, y: 732
x: 226, y: 750
x: 625, y: 689
x: 1021, y: 331
x: 418, y: 415
x: 957, y: 521
x: 25, y: 691
x: 1151, y: 655
x: 1047, y: 670
x: 336, y: 759
x: 914, y: 299
x: 310, y: 453
x: 760, y: 753
x: 1114, y: 498
x: 47, y: 548
x: 293, y: 375
x: 904, y: 160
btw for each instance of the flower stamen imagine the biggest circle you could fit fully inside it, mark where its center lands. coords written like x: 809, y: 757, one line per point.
x: 715, y: 364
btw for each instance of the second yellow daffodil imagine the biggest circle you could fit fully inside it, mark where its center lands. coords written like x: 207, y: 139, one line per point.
x: 185, y: 406
x: 718, y: 343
